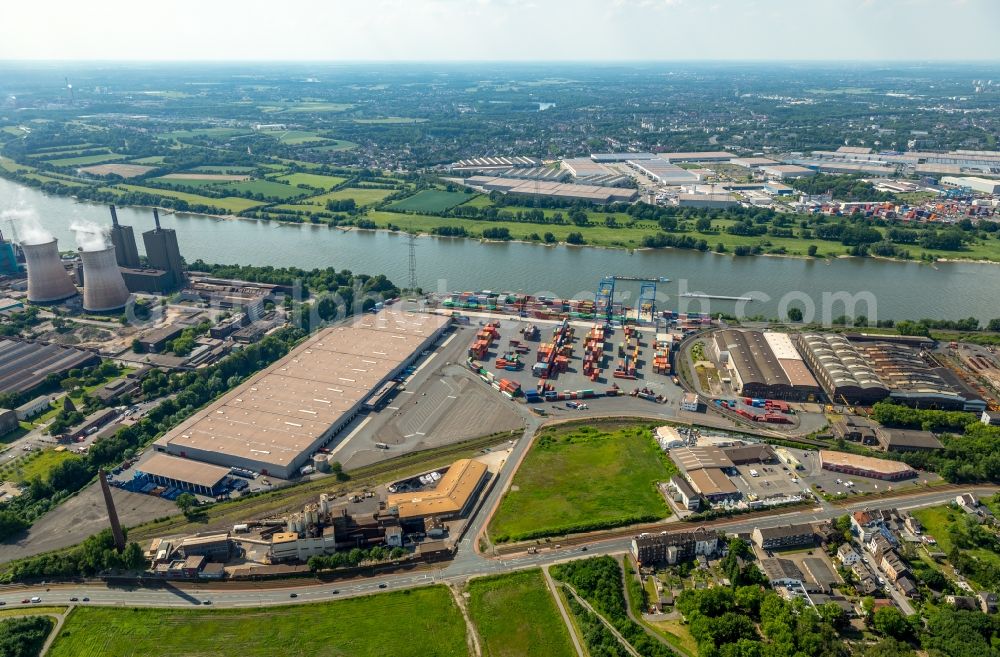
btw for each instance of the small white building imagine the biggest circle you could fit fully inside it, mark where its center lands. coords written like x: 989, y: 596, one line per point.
x: 848, y: 555
x: 690, y: 402
x: 33, y: 408
x: 990, y: 418
x: 290, y: 546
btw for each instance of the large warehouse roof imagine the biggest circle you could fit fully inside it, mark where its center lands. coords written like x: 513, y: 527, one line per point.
x: 280, y: 412
x: 843, y: 459
x: 711, y: 481
x: 841, y: 362
x: 696, y: 458
x: 752, y: 356
x: 447, y: 498
x: 186, y: 470
x: 24, y: 365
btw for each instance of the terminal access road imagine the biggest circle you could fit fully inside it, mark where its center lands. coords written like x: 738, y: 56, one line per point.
x: 468, y: 562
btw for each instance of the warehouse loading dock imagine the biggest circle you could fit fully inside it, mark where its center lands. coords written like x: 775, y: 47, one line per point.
x: 276, y: 420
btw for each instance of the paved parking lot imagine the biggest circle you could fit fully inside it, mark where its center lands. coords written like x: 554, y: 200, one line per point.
x: 771, y: 481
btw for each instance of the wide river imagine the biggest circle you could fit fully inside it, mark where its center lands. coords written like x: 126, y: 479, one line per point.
x: 893, y: 290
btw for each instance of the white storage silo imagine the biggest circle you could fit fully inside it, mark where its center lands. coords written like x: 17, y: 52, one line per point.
x: 47, y: 279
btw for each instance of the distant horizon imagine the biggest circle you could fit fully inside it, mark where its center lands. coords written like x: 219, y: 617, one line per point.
x: 502, y: 30
x: 519, y: 62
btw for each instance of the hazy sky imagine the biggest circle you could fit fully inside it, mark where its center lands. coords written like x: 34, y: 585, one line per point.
x: 344, y: 30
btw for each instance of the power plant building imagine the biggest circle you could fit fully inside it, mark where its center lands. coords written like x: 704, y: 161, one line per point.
x: 276, y: 420
x: 163, y: 253
x: 123, y: 239
x: 48, y: 280
x: 103, y: 286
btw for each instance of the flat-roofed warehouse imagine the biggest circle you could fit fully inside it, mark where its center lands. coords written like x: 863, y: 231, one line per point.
x: 843, y: 372
x: 24, y: 365
x: 278, y: 418
x: 192, y: 476
x: 757, y: 370
x: 865, y: 466
x: 453, y: 496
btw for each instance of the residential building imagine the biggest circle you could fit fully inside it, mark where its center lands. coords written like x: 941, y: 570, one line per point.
x: 848, y: 555
x: 879, y: 546
x: 8, y: 421
x: 991, y: 418
x: 967, y: 501
x: 893, y: 566
x: 787, y: 536
x: 906, y: 586
x: 36, y: 406
x: 781, y: 572
x: 673, y: 547
x: 987, y: 602
x: 854, y: 428
x: 967, y: 602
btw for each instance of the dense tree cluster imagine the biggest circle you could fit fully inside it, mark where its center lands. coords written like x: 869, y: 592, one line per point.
x: 897, y: 415
x: 95, y: 555
x: 24, y: 636
x: 354, y: 557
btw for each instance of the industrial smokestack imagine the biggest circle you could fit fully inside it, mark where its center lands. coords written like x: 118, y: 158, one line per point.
x: 109, y: 503
x: 114, y: 216
x: 103, y: 286
x: 156, y: 218
x: 47, y: 279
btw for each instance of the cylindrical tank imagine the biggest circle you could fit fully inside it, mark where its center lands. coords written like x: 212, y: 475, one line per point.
x: 324, y: 503
x: 311, y: 515
x: 321, y: 462
x: 47, y: 279
x: 103, y: 286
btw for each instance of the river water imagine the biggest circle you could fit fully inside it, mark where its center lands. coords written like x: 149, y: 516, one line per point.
x: 892, y: 289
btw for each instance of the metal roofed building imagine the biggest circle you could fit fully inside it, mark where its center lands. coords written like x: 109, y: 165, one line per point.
x: 786, y: 171
x: 915, y: 382
x: 664, y: 171
x: 840, y: 369
x: 713, y: 484
x: 452, y: 497
x: 582, y: 167
x: 722, y: 200
x: 274, y: 421
x: 785, y: 536
x: 757, y: 370
x: 591, y: 193
x: 620, y: 157
x: 24, y: 365
x: 192, y: 476
x: 865, y: 466
x: 698, y: 458
x: 753, y: 162
x: 697, y: 156
x: 494, y: 163
x: 907, y: 440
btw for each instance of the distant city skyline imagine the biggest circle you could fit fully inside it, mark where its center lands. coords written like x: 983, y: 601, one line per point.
x: 503, y: 30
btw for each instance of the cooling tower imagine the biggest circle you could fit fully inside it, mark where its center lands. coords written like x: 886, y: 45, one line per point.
x: 47, y: 279
x: 103, y: 286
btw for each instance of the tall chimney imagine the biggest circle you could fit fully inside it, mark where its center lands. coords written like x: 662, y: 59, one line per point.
x: 116, y: 527
x: 156, y: 218
x: 114, y: 216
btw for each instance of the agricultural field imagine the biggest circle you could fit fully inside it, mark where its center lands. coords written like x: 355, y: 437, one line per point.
x: 222, y: 168
x: 152, y: 159
x: 199, y: 177
x: 84, y: 159
x: 35, y: 464
x: 211, y: 133
x: 362, y: 197
x: 333, y: 145
x: 422, y: 623
x: 579, y: 478
x: 228, y: 203
x: 123, y: 170
x: 267, y: 188
x: 8, y: 164
x: 516, y: 616
x: 390, y: 120
x: 430, y: 201
x: 314, y: 180
x: 305, y: 107
x: 294, y: 137
x: 51, y: 179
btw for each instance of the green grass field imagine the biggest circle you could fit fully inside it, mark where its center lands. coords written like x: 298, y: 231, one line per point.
x: 516, y: 616
x: 152, y: 159
x: 937, y: 520
x: 228, y: 203
x: 361, y: 196
x: 187, y: 183
x: 333, y: 145
x: 84, y: 160
x: 305, y: 107
x: 222, y: 168
x: 294, y: 137
x: 576, y: 478
x: 268, y: 188
x: 312, y: 180
x: 49, y: 179
x: 430, y: 200
x: 36, y: 464
x: 64, y: 151
x: 212, y: 133
x: 420, y: 623
x: 390, y: 120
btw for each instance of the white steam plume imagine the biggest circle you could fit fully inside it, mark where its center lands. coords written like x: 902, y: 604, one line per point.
x: 26, y: 225
x: 89, y: 236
